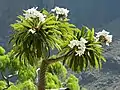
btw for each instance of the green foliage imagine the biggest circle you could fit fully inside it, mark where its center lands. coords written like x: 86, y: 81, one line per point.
x: 13, y: 87
x: 72, y: 83
x: 15, y: 64
x: 2, y: 85
x: 92, y: 57
x: 52, y: 81
x: 56, y: 77
x: 2, y: 51
x: 49, y: 34
x: 58, y: 69
x: 26, y: 73
x: 30, y: 48
x: 4, y: 60
x: 27, y: 85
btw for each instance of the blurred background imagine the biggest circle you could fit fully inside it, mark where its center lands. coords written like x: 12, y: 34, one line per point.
x: 100, y: 14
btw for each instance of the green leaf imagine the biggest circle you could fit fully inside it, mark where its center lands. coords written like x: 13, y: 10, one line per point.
x: 2, y: 51
x: 96, y: 62
x: 103, y: 58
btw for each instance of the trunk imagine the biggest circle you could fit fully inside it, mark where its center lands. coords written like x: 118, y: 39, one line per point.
x: 43, y: 68
x: 41, y: 81
x: 41, y: 75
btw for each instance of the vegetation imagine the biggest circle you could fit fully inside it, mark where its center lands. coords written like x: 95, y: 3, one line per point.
x: 35, y: 35
x: 56, y: 75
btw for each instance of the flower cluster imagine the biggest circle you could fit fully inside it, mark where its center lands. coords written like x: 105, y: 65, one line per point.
x: 60, y: 11
x: 104, y: 36
x: 34, y: 14
x: 80, y: 45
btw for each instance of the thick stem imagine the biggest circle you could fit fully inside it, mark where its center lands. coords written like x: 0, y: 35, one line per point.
x: 43, y: 69
x: 41, y: 79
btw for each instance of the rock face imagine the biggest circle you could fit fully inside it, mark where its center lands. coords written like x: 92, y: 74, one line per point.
x: 93, y: 13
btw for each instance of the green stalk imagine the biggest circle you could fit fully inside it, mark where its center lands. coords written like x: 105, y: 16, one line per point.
x: 60, y: 58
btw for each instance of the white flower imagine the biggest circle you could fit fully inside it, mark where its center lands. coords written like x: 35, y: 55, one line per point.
x: 80, y: 45
x: 60, y: 11
x: 73, y: 43
x: 108, y: 39
x: 32, y: 31
x: 96, y: 39
x: 79, y: 52
x: 83, y: 40
x: 105, y: 34
x: 34, y: 14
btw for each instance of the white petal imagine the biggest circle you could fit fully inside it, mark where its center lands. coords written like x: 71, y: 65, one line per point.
x: 105, y: 32
x: 32, y: 31
x: 107, y: 44
x: 34, y: 13
x: 83, y: 40
x: 61, y: 11
x: 108, y: 38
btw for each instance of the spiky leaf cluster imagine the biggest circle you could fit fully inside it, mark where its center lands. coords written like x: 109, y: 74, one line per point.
x: 50, y: 34
x: 92, y: 57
